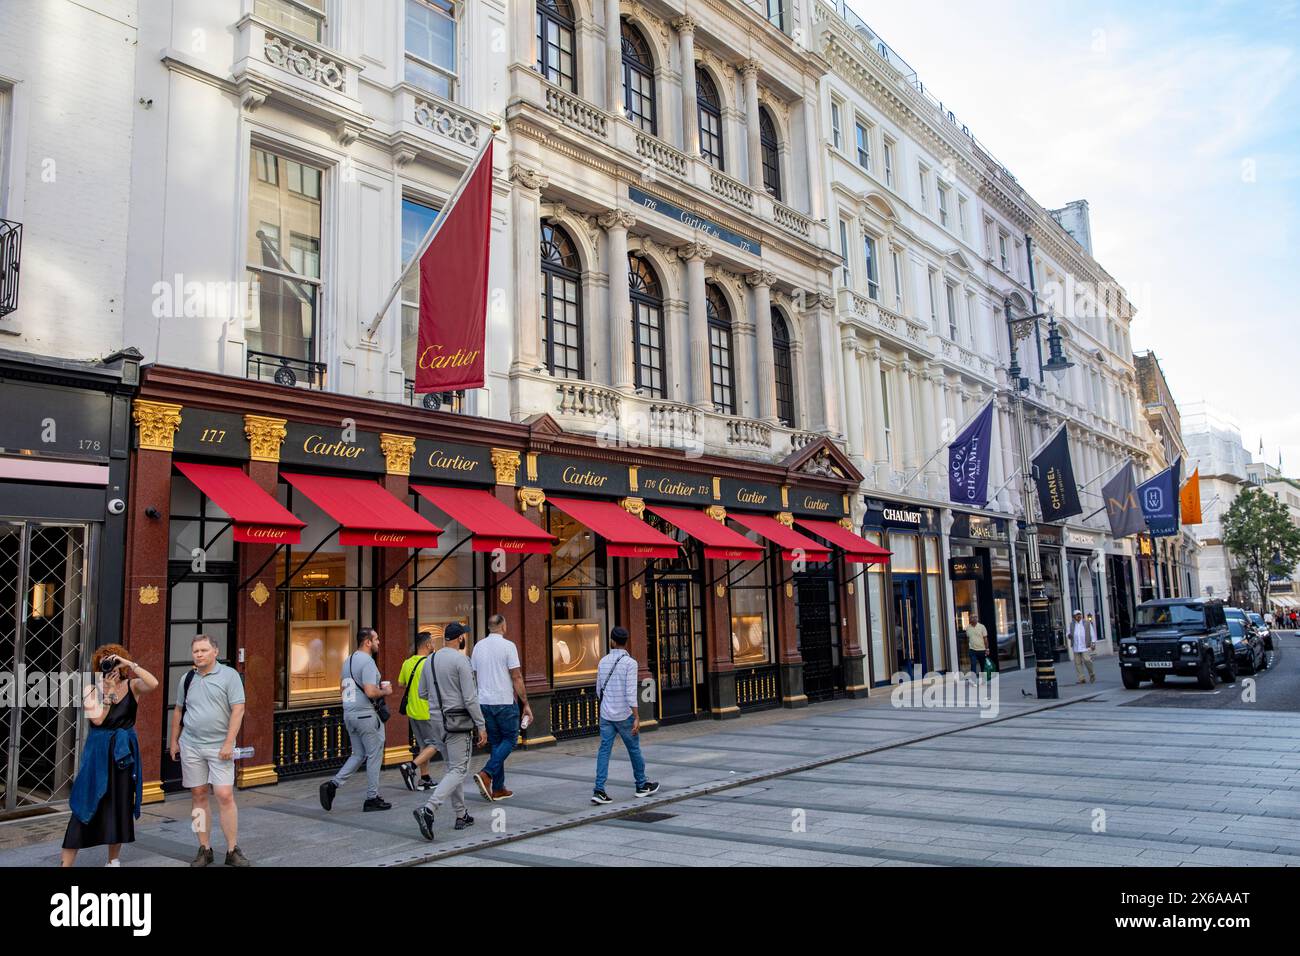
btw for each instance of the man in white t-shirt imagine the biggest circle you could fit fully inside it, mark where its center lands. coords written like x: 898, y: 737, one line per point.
x: 500, y: 681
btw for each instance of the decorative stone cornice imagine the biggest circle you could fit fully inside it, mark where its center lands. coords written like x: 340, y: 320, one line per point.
x: 157, y: 422
x: 695, y: 250
x: 265, y: 435
x: 506, y: 463
x: 528, y: 178
x: 616, y: 219
x: 684, y: 24
x: 761, y: 277
x: 398, y: 451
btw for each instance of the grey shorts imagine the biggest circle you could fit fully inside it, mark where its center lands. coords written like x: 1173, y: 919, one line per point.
x: 423, y: 731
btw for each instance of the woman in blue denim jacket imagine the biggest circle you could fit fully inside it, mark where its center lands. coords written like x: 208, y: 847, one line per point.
x: 106, y: 795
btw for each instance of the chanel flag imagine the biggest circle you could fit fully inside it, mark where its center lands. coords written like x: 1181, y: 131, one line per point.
x: 1058, y: 495
x: 968, y: 461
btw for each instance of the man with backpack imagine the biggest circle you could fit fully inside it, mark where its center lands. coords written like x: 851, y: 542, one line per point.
x: 364, y: 714
x: 415, y: 773
x: 447, y: 684
x: 617, y: 702
x: 205, y: 724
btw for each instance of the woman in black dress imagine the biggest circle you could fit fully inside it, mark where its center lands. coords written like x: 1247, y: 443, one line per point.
x: 105, y: 797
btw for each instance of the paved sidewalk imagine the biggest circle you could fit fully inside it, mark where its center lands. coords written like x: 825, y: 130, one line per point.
x: 284, y: 825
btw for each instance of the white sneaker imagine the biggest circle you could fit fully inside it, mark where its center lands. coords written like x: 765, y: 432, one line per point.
x: 113, y: 863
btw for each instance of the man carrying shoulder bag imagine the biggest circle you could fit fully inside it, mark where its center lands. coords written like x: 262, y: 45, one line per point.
x: 447, y: 683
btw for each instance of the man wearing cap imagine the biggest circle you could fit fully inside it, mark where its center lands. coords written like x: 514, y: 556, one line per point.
x: 1082, y: 638
x: 447, y: 683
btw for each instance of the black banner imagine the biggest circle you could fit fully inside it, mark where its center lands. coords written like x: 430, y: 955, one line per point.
x: 750, y: 495
x: 453, y: 463
x: 1058, y: 495
x: 583, y: 476
x: 658, y: 484
x: 979, y: 528
x: 211, y: 434
x: 816, y: 504
x: 332, y: 447
x: 49, y: 420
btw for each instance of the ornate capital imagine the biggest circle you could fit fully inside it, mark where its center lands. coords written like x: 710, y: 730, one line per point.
x: 265, y: 435
x: 528, y: 178
x: 684, y: 24
x: 506, y: 463
x: 634, y: 506
x: 616, y: 219
x: 158, y: 422
x: 531, y: 498
x: 695, y: 250
x: 761, y: 277
x: 716, y: 512
x: 786, y: 518
x: 846, y: 524
x: 749, y: 69
x: 398, y: 451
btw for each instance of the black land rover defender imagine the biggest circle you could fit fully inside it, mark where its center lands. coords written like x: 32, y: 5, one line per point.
x: 1183, y: 636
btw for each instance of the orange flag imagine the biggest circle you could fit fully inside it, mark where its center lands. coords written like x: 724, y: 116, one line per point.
x: 1190, y: 499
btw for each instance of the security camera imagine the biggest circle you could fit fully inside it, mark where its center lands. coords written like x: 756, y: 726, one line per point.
x: 116, y: 506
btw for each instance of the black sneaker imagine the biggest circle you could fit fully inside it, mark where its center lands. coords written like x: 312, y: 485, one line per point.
x: 463, y: 822
x: 204, y: 857
x: 235, y: 857
x: 327, y: 791
x: 408, y: 774
x: 376, y: 803
x: 426, y: 783
x: 647, y: 789
x: 600, y: 796
x: 424, y: 817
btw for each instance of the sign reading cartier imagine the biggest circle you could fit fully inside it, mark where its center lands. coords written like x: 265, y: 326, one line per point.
x: 582, y: 475
x: 348, y: 448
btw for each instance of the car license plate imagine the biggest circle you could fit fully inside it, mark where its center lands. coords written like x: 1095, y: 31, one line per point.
x: 1157, y: 664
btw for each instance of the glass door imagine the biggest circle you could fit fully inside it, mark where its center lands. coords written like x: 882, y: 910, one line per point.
x: 909, y: 636
x: 673, y: 640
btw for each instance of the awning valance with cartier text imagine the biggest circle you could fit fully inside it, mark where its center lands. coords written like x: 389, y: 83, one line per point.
x: 258, y: 518
x: 495, y: 525
x: 626, y: 536
x: 793, y: 545
x: 857, y: 549
x: 367, y: 513
x: 720, y: 542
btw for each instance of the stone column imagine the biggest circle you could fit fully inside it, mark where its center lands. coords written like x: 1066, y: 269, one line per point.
x: 613, y: 58
x: 685, y: 27
x: 813, y: 141
x: 853, y: 398
x: 523, y: 35
x: 695, y: 255
x: 828, y: 417
x: 761, y: 282
x: 749, y: 70
x: 616, y: 223
x: 525, y: 213
x: 905, y: 403
x: 877, y: 412
x: 933, y: 429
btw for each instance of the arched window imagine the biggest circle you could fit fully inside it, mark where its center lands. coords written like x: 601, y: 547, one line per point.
x: 710, y: 110
x: 771, y: 148
x: 561, y: 304
x: 647, y: 327
x: 721, y: 367
x: 784, y: 369
x: 555, y: 61
x: 638, y: 80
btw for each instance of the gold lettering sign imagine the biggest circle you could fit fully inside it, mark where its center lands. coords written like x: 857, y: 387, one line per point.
x: 745, y: 496
x: 268, y: 534
x: 816, y: 504
x: 317, y: 445
x: 431, y: 357
x: 588, y: 478
x: 392, y: 536
x: 440, y: 459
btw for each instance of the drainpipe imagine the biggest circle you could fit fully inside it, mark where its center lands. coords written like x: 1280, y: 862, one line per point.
x: 1033, y: 298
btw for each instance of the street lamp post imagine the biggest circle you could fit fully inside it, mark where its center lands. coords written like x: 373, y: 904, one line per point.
x: 1044, y: 653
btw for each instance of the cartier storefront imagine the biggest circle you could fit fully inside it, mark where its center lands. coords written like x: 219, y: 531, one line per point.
x: 280, y: 520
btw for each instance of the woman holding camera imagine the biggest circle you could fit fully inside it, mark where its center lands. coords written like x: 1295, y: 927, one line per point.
x: 106, y: 795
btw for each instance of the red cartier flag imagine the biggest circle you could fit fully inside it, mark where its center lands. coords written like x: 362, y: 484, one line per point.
x: 453, y: 290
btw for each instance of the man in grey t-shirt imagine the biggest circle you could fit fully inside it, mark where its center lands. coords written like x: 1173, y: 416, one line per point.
x: 205, y: 724
x: 447, y: 683
x: 362, y: 687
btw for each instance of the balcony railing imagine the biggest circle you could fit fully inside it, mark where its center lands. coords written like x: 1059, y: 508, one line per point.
x: 576, y: 112
x: 584, y: 400
x: 788, y: 218
x: 732, y: 190
x: 660, y: 154
x: 286, y: 370
x: 453, y: 402
x: 747, y: 433
x: 11, y: 242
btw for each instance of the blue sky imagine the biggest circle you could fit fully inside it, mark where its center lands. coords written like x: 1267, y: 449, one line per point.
x: 1180, y: 124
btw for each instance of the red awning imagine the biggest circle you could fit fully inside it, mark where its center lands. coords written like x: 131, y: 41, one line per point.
x: 258, y: 517
x: 493, y: 523
x: 625, y: 535
x: 857, y: 549
x: 368, y: 513
x: 787, y: 539
x: 719, y: 541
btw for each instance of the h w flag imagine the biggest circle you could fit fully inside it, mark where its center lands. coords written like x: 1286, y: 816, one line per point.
x: 1159, y: 499
x: 1058, y: 495
x: 454, y: 285
x: 968, y: 461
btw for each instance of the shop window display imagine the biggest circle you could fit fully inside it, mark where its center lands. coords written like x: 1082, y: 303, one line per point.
x: 318, y: 612
x: 938, y: 650
x: 447, y: 582
x: 577, y: 601
x: 751, y: 616
x: 875, y: 578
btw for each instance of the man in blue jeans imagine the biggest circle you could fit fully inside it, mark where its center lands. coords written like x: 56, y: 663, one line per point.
x: 496, y: 668
x: 616, y: 692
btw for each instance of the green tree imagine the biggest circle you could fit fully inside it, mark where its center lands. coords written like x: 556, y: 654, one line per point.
x: 1257, y: 529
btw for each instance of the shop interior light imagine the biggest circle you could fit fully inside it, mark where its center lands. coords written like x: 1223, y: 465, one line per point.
x: 42, y: 602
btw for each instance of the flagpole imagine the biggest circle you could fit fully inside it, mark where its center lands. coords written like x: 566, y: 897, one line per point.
x: 944, y: 445
x: 431, y: 233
